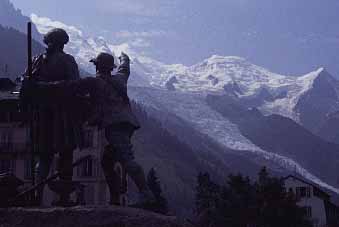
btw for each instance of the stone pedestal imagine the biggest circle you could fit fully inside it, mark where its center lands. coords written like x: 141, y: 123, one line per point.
x: 85, y: 217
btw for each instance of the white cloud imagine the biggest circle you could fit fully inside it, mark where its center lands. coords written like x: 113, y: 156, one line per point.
x: 139, y: 39
x: 147, y: 8
x: 143, y: 34
x: 139, y: 42
x: 49, y: 24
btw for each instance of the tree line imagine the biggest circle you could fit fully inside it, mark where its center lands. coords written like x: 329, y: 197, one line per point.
x: 242, y: 203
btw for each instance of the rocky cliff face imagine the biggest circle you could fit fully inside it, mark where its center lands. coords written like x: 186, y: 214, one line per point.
x: 13, y: 50
x: 315, y: 105
x: 12, y: 17
x: 85, y: 217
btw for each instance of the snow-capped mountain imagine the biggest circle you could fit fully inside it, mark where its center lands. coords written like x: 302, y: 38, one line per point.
x: 182, y: 90
x: 233, y: 75
x: 215, y: 74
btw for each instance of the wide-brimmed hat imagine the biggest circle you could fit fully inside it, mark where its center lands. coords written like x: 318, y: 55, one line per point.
x: 104, y: 60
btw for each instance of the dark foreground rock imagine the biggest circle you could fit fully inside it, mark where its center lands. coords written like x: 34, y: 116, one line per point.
x: 84, y: 217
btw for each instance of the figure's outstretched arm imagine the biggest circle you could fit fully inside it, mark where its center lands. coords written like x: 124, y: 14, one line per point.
x: 124, y: 68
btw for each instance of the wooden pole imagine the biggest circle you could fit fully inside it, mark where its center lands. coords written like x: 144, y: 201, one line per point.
x: 29, y: 75
x: 29, y: 49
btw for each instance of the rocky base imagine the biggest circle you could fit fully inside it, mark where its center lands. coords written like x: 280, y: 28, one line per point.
x: 84, y: 217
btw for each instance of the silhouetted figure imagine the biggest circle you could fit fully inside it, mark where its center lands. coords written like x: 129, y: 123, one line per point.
x: 119, y: 123
x: 55, y: 126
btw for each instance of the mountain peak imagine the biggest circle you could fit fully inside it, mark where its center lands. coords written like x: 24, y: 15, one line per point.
x: 323, y: 74
x: 321, y: 69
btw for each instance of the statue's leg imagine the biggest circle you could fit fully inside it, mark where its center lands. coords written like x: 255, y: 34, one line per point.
x: 120, y: 138
x: 64, y: 166
x: 42, y: 169
x: 112, y: 178
x: 136, y: 173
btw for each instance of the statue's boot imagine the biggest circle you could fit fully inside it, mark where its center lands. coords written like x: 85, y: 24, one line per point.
x: 63, y: 189
x: 145, y: 197
x: 65, y: 186
x: 112, y: 178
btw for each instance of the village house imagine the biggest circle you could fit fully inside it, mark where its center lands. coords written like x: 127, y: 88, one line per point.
x: 316, y: 202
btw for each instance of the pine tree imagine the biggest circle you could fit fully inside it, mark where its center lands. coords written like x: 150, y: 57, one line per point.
x: 207, y: 193
x: 161, y: 204
x: 263, y: 176
x: 206, y: 200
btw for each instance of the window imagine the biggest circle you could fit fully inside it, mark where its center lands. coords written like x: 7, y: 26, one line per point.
x: 89, y: 194
x: 308, y: 212
x: 3, y: 116
x: 28, y: 170
x: 102, y: 193
x: 15, y: 116
x: 6, y: 166
x: 6, y: 142
x: 308, y: 192
x: 303, y: 192
x: 85, y: 169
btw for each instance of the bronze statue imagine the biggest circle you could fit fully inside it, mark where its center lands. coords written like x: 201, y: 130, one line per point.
x: 111, y: 111
x: 55, y: 127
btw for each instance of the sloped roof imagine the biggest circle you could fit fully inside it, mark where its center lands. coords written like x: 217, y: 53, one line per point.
x: 317, y: 187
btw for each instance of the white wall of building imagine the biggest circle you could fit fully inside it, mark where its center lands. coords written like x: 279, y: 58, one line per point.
x: 317, y: 204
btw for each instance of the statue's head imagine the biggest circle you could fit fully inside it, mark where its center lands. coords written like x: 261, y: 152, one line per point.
x: 56, y: 38
x: 104, y: 63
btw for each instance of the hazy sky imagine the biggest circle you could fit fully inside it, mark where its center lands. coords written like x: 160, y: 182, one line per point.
x: 288, y: 36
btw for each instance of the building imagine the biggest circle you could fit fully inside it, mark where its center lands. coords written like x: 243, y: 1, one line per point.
x: 316, y: 202
x: 15, y: 153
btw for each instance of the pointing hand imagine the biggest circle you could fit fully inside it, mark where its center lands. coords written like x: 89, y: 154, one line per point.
x: 123, y: 57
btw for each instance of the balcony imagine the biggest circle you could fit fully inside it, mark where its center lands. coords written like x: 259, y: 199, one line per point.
x: 14, y: 147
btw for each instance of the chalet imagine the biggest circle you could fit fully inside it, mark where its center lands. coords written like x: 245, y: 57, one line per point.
x: 15, y: 153
x: 316, y: 202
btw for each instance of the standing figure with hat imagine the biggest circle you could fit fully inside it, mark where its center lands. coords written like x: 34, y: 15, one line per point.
x: 55, y: 126
x: 119, y: 123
